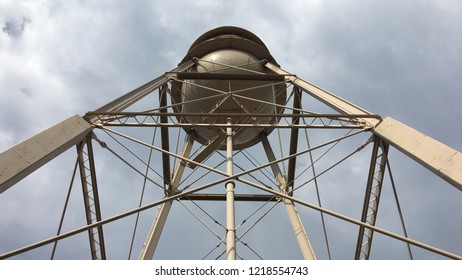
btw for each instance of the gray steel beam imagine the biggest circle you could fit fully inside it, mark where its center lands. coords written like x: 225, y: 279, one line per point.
x: 26, y: 157
x: 435, y: 156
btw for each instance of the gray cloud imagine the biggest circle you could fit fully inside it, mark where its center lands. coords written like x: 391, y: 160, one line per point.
x: 15, y: 27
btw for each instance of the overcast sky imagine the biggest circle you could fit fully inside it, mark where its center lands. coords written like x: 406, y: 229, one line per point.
x: 394, y: 58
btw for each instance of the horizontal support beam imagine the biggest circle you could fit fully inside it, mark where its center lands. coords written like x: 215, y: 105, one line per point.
x: 26, y: 157
x: 435, y: 156
x: 315, y: 120
x: 248, y: 126
x: 106, y: 114
x: 237, y: 197
x: 222, y: 76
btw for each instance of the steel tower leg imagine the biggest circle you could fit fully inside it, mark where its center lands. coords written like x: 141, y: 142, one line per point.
x: 372, y: 198
x: 294, y: 138
x: 91, y: 198
x: 149, y: 247
x: 230, y: 219
x: 297, y: 225
x: 164, y: 135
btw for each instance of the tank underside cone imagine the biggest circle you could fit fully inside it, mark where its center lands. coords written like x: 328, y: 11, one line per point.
x: 229, y: 79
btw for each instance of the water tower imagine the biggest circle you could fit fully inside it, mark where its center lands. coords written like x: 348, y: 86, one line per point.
x: 228, y: 126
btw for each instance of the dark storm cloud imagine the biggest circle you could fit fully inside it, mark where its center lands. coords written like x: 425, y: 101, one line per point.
x: 15, y: 27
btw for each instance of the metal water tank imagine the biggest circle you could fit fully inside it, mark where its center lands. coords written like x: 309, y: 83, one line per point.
x: 229, y: 80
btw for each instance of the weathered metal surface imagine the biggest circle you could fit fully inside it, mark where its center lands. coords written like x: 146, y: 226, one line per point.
x: 24, y: 158
x: 436, y: 156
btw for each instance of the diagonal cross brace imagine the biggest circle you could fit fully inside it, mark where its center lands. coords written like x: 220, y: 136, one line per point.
x: 372, y: 198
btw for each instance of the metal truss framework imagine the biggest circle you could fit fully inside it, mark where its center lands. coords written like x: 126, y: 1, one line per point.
x: 372, y: 197
x: 75, y: 131
x: 91, y: 197
x: 330, y: 121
